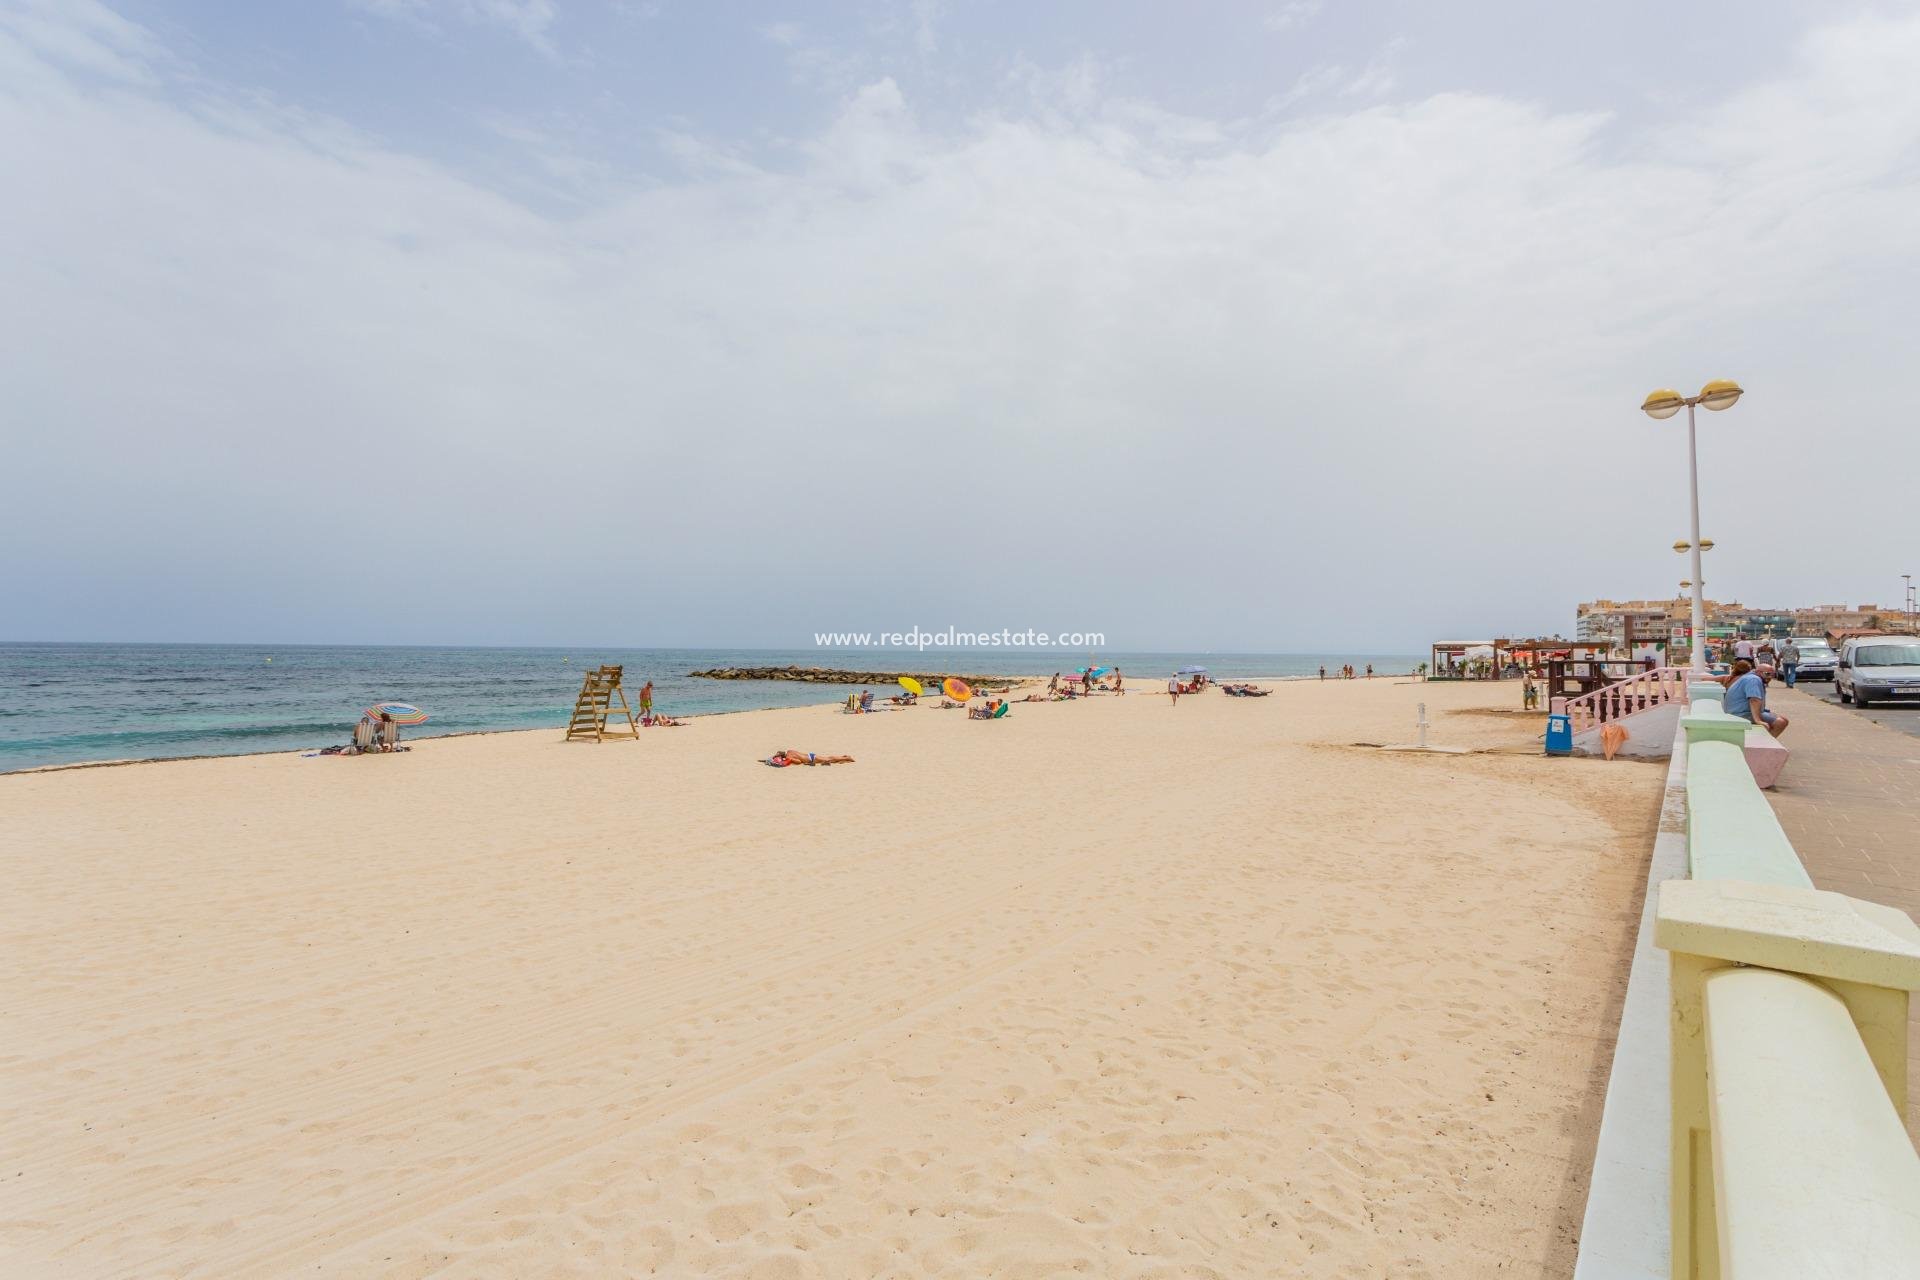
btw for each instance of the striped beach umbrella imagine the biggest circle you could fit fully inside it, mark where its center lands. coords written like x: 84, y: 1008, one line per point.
x: 398, y: 712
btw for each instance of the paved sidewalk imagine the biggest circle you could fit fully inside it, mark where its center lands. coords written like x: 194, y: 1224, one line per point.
x: 1849, y: 800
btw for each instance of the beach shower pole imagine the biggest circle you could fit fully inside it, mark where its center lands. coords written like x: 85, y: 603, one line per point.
x: 1423, y: 726
x: 1718, y: 394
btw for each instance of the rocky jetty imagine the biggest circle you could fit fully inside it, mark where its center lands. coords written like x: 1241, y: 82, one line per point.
x: 831, y: 675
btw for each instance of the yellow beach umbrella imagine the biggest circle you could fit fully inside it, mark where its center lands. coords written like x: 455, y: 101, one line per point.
x: 911, y: 685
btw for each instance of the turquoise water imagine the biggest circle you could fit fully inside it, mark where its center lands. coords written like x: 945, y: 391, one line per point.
x: 67, y: 703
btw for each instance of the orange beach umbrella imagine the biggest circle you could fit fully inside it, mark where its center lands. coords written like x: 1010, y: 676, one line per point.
x: 956, y: 688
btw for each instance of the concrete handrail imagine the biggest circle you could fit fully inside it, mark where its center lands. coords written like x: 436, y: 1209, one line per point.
x: 1731, y: 831
x: 1788, y: 1044
x: 1826, y: 1186
x: 1769, y: 1064
x: 1785, y: 1048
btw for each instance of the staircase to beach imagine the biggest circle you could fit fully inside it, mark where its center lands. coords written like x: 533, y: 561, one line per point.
x: 1648, y: 706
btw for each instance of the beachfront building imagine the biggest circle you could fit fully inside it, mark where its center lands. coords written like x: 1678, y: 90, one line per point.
x: 1636, y: 627
x: 1822, y: 619
x: 1628, y: 625
x: 1608, y: 622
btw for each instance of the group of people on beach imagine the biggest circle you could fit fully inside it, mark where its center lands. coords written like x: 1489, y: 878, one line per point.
x: 1347, y: 672
x: 1064, y: 688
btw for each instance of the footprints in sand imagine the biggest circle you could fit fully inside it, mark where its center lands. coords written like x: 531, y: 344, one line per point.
x: 1034, y: 1047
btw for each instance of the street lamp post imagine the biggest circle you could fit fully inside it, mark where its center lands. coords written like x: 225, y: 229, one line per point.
x: 1718, y: 394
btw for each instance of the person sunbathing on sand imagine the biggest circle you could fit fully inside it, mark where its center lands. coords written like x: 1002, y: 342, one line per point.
x: 781, y: 759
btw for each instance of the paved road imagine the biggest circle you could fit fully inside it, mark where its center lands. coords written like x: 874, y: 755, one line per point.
x: 1849, y: 799
x: 1904, y: 719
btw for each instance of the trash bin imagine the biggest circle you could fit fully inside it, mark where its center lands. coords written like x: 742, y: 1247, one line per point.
x: 1559, y: 735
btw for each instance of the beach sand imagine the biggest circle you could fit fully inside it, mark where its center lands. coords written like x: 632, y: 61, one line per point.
x: 1114, y: 988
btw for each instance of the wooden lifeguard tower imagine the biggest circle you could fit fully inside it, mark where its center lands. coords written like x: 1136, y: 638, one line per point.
x: 594, y: 707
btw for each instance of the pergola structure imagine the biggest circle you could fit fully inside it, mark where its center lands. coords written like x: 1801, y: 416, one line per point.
x: 1450, y: 661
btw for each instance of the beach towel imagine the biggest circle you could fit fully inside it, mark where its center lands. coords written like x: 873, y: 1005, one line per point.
x: 1612, y: 734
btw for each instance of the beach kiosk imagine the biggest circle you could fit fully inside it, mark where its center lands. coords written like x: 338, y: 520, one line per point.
x: 1464, y: 660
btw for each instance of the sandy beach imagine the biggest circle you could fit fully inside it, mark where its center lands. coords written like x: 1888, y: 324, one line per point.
x: 1113, y: 988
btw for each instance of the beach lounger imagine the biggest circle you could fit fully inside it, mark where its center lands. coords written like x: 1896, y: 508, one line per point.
x: 364, y: 734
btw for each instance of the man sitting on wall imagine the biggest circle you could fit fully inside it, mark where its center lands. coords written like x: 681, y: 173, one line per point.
x: 1746, y: 697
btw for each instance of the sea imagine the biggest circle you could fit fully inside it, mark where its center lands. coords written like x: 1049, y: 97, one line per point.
x: 75, y: 703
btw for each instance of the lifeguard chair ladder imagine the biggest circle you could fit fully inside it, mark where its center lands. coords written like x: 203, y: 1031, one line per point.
x: 594, y: 706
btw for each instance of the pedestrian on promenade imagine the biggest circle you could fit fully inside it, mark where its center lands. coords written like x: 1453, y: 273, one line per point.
x: 1743, y: 648
x: 1790, y: 661
x: 1746, y: 697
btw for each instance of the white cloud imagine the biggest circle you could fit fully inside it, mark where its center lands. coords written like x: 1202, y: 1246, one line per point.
x: 1294, y: 13
x: 1383, y: 359
x: 1375, y: 80
x: 926, y: 18
x: 815, y: 63
x: 80, y: 36
x: 531, y: 20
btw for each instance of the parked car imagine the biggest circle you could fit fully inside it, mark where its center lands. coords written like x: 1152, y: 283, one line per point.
x: 1817, y: 658
x: 1879, y: 669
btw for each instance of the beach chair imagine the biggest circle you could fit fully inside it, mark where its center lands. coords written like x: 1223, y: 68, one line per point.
x: 363, y: 734
x: 389, y: 736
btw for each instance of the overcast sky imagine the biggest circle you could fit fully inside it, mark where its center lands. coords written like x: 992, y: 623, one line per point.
x: 1279, y: 326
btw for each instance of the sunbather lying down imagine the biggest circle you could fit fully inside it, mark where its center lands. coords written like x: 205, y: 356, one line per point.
x: 781, y: 759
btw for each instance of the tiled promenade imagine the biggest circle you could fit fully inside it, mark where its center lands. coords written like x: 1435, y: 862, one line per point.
x: 1850, y: 802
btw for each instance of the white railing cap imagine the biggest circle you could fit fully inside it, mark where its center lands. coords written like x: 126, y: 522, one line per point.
x: 1793, y: 929
x: 1813, y: 1171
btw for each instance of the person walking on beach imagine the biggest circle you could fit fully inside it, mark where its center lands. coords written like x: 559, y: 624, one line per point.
x: 646, y: 699
x: 1746, y: 697
x: 1369, y: 671
x: 1323, y: 671
x: 1173, y: 690
x: 1790, y: 661
x: 1119, y: 684
x: 1053, y: 686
